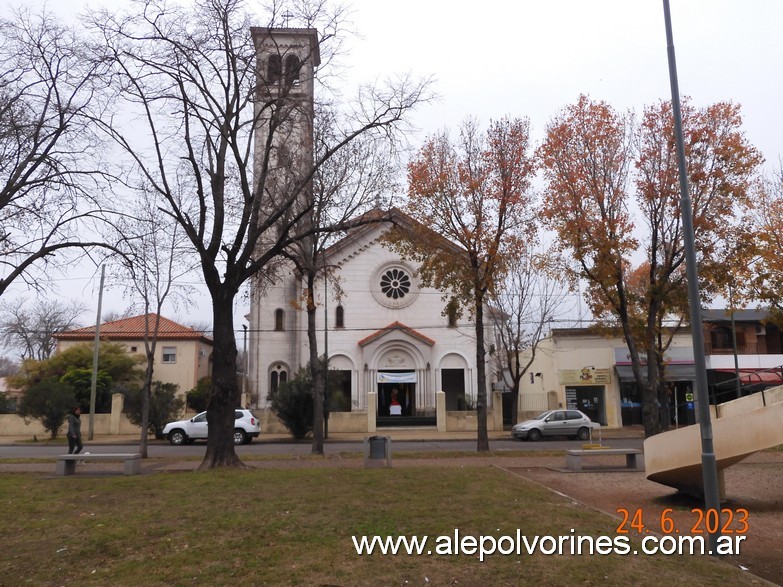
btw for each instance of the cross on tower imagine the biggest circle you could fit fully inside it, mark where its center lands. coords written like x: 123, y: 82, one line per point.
x: 287, y: 16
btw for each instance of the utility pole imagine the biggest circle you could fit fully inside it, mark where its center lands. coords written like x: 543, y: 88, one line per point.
x: 326, y: 357
x: 709, y: 465
x: 95, y: 348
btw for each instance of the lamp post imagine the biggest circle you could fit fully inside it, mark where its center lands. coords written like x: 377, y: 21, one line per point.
x: 708, y: 461
x: 244, y: 359
x: 326, y: 358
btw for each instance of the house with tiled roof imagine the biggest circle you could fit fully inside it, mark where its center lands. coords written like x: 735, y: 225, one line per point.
x: 182, y: 355
x: 390, y: 339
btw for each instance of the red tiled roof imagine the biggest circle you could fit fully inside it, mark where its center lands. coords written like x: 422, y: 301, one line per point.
x: 396, y: 326
x: 134, y: 329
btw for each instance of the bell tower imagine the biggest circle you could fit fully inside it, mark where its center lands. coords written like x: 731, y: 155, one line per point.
x: 286, y: 59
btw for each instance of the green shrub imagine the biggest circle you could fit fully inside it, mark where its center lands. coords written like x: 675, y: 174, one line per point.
x: 165, y: 406
x: 80, y: 380
x: 6, y: 406
x: 198, y: 397
x: 48, y: 401
x: 292, y: 402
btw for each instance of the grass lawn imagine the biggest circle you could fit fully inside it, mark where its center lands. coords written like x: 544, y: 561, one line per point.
x: 294, y: 527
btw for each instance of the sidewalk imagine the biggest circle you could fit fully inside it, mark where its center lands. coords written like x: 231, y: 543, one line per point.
x: 420, y: 434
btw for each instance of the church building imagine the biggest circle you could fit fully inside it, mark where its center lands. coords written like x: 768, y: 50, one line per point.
x: 384, y: 333
x: 391, y: 343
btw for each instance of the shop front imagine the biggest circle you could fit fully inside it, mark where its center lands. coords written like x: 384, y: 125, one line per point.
x: 585, y: 390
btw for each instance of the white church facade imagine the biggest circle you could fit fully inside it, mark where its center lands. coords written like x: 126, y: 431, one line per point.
x: 392, y: 344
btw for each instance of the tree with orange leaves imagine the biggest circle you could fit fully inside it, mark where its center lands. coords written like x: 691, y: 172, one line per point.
x: 474, y: 193
x: 762, y: 245
x: 593, y: 157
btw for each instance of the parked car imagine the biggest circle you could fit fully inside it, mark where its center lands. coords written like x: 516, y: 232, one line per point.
x: 246, y: 428
x: 571, y: 423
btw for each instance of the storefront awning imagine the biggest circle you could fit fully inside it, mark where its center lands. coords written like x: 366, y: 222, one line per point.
x: 752, y: 376
x: 405, y: 377
x: 673, y: 372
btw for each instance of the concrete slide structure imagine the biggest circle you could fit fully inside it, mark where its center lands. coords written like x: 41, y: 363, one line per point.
x: 743, y: 427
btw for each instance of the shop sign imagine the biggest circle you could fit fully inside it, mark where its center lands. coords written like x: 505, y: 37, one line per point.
x: 585, y: 376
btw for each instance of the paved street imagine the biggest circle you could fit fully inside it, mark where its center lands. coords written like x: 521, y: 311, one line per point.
x: 287, y: 446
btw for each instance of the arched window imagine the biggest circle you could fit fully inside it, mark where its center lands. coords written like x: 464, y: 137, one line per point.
x: 339, y: 317
x: 274, y: 69
x: 279, y: 315
x: 276, y: 378
x: 292, y: 68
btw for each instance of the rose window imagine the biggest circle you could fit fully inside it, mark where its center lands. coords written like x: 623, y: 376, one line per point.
x: 395, y: 283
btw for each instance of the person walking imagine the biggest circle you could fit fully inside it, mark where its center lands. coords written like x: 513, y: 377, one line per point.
x: 74, y: 431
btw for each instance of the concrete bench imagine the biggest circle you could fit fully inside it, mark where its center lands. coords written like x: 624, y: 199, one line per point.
x: 634, y: 457
x: 66, y: 464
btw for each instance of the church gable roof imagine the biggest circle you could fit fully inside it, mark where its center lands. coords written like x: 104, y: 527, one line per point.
x: 367, y: 226
x: 399, y: 327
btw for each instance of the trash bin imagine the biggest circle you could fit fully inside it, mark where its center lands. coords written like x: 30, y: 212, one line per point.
x: 377, y: 447
x: 377, y: 450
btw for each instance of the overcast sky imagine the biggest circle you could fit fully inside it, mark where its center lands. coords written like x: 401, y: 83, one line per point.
x: 530, y: 58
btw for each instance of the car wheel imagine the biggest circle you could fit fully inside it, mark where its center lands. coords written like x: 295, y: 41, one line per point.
x: 534, y: 435
x: 239, y: 436
x: 583, y: 434
x: 177, y: 437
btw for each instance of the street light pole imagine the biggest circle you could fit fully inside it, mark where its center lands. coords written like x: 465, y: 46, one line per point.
x: 95, y: 352
x: 326, y: 357
x: 708, y: 461
x: 244, y: 360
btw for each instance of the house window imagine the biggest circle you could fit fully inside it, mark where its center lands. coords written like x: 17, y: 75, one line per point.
x: 133, y: 349
x: 279, y: 315
x: 339, y: 317
x: 274, y: 69
x: 169, y: 354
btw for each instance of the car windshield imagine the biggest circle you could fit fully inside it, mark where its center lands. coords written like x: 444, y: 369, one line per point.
x: 543, y: 415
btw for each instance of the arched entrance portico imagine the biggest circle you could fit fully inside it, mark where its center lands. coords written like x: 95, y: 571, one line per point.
x: 400, y: 377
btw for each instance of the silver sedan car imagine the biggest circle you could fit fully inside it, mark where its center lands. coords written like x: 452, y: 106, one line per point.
x: 571, y: 423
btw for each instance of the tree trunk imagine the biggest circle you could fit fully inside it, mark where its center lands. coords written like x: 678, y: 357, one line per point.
x: 145, y: 403
x: 515, y: 371
x: 482, y: 440
x: 225, y: 394
x: 651, y: 408
x: 515, y: 403
x: 316, y: 374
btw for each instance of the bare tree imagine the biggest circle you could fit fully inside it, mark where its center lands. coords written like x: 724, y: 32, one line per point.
x: 525, y: 306
x: 29, y: 327
x: 356, y: 179
x: 48, y: 151
x: 7, y: 367
x: 215, y: 146
x: 152, y: 267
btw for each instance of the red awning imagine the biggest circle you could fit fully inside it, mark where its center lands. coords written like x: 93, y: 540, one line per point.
x: 751, y: 376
